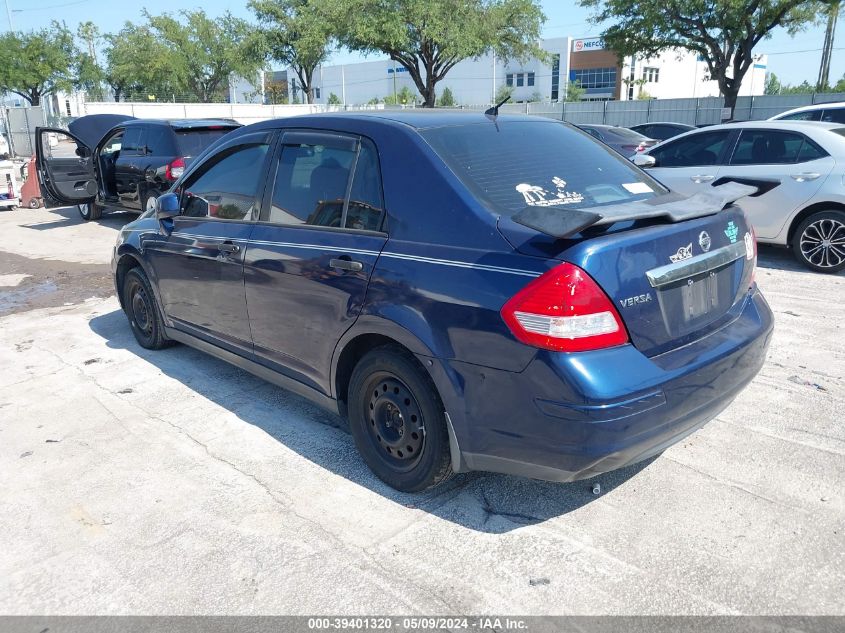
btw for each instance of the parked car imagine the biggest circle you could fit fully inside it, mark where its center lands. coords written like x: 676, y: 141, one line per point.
x: 623, y: 140
x: 555, y: 316
x: 661, y: 131
x: 799, y: 164
x: 825, y: 112
x: 127, y: 162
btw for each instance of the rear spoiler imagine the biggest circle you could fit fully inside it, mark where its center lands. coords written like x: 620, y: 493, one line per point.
x: 562, y: 223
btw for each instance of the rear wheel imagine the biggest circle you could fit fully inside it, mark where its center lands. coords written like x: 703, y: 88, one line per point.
x: 819, y: 242
x: 398, y: 422
x: 90, y: 211
x: 141, y: 309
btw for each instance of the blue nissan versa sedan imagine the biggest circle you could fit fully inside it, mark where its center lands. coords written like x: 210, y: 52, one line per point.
x: 473, y: 292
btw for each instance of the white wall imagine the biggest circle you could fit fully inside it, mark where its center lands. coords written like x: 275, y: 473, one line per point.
x: 242, y: 112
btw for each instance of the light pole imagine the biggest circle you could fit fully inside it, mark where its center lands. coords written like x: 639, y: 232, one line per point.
x: 9, y: 15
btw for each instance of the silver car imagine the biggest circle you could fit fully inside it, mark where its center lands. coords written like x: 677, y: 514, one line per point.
x: 799, y: 167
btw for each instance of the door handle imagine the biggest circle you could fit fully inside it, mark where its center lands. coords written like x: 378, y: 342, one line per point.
x: 346, y: 264
x: 702, y: 178
x: 227, y: 248
x: 807, y: 175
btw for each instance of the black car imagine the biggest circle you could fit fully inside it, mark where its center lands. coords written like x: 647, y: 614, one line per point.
x: 661, y: 131
x: 127, y: 162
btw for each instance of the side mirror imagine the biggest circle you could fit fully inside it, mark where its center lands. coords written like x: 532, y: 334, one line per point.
x: 645, y: 161
x: 167, y: 206
x: 82, y: 151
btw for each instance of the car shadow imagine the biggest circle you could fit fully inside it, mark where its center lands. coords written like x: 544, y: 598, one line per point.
x: 769, y: 256
x: 68, y: 216
x: 483, y: 502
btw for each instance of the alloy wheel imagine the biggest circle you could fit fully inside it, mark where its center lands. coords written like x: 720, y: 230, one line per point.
x: 823, y: 243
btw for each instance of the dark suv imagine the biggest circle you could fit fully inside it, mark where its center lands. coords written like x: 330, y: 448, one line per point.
x: 113, y: 162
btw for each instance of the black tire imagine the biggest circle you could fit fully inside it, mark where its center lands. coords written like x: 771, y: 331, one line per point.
x: 90, y: 211
x: 141, y: 309
x: 819, y: 242
x: 398, y: 421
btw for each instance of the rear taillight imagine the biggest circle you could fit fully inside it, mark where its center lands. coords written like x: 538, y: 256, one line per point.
x: 751, y: 253
x: 564, y: 310
x: 174, y: 169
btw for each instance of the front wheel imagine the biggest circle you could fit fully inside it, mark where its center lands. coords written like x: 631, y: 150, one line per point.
x: 819, y: 242
x: 398, y: 421
x: 90, y: 211
x: 141, y: 309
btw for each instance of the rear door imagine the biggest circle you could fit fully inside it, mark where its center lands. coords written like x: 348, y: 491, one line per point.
x: 127, y: 167
x: 199, y: 262
x: 313, y: 250
x: 65, y: 167
x: 799, y: 164
x: 691, y: 163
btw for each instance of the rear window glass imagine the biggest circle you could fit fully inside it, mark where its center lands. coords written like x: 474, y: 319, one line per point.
x: 545, y: 164
x: 194, y: 142
x: 623, y: 132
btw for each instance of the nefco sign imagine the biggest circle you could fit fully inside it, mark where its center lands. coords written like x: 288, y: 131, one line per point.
x: 588, y: 44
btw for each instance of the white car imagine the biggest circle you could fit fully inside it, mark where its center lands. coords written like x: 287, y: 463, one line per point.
x: 825, y: 112
x: 800, y: 167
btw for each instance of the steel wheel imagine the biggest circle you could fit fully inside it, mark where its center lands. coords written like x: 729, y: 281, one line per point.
x: 822, y: 243
x: 141, y: 309
x: 396, y: 422
x: 139, y: 304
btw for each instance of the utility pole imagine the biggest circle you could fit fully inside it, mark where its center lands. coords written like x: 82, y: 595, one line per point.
x: 493, y: 96
x: 827, y: 50
x: 343, y: 83
x: 9, y: 15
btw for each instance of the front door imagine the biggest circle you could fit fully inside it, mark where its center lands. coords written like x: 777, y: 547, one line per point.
x: 690, y: 164
x: 127, y: 168
x: 198, y: 257
x: 312, y: 252
x: 65, y: 167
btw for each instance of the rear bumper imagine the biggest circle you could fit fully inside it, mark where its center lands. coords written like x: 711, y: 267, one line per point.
x: 572, y: 416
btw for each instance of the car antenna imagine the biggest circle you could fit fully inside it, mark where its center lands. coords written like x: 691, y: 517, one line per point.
x: 494, y: 110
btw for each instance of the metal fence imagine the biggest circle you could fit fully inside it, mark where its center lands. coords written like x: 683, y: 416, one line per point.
x: 20, y: 125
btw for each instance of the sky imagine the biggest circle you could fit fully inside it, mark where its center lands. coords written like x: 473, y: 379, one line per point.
x: 792, y: 59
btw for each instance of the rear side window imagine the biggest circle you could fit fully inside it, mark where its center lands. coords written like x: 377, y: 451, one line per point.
x: 767, y: 147
x: 194, y: 142
x: 696, y: 150
x: 810, y: 151
x: 312, y: 181
x: 227, y: 186
x: 834, y: 116
x: 159, y: 141
x: 534, y: 163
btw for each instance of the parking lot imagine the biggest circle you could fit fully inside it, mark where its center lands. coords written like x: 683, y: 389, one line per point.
x: 137, y: 482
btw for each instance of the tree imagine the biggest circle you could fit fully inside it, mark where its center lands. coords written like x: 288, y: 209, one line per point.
x: 773, y: 86
x: 428, y: 37
x: 37, y: 63
x: 447, y: 99
x: 138, y: 63
x: 295, y: 33
x: 574, y: 91
x: 839, y: 86
x: 204, y: 52
x: 503, y: 92
x: 334, y: 99
x: 404, y: 97
x: 722, y: 32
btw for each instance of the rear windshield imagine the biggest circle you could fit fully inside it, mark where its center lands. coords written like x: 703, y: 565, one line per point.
x: 193, y: 142
x: 623, y: 132
x: 538, y: 163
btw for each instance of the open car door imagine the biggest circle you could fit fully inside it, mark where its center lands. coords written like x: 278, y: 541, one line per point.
x: 65, y: 167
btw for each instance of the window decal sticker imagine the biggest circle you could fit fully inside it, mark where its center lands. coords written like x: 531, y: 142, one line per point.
x: 637, y: 187
x: 536, y: 196
x: 732, y: 231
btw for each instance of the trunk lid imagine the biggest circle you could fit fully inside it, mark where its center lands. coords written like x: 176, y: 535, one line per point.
x: 671, y: 282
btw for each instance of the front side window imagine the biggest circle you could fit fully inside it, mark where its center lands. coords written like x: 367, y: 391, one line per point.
x: 312, y: 181
x: 227, y: 186
x: 695, y: 150
x: 767, y: 147
x: 132, y: 142
x: 807, y: 115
